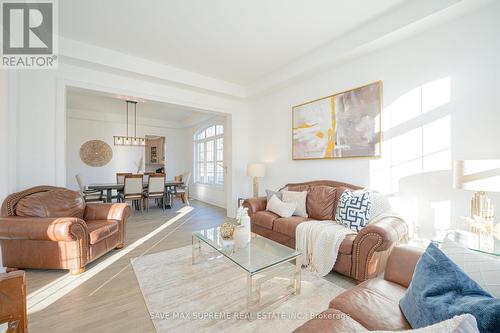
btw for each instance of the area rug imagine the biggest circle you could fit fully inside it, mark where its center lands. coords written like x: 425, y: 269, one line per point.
x: 210, y: 296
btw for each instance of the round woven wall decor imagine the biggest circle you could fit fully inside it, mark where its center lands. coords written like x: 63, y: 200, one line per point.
x: 96, y: 153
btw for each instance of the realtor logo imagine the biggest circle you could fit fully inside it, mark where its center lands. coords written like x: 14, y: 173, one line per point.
x: 28, y: 34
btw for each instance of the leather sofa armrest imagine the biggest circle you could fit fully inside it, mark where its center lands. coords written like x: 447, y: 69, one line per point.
x: 108, y: 211
x: 43, y: 228
x: 255, y: 205
x: 401, y: 264
x: 390, y: 230
x: 378, y: 236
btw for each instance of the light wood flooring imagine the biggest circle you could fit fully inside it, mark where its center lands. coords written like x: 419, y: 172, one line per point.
x: 107, y: 297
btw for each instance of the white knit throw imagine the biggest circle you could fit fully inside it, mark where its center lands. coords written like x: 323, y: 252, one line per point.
x: 319, y: 242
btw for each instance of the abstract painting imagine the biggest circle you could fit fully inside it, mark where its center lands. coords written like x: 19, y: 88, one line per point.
x: 339, y: 126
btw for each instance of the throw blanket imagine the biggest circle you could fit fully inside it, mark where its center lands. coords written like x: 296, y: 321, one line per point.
x: 319, y: 242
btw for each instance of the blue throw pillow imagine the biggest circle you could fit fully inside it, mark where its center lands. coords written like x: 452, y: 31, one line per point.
x: 440, y: 290
x: 353, y: 209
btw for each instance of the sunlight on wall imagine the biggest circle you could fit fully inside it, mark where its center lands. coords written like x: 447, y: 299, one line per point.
x: 416, y: 142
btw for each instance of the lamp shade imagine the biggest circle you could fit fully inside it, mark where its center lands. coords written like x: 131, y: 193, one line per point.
x: 477, y: 175
x: 256, y: 170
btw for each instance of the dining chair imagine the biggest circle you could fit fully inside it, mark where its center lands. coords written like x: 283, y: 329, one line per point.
x: 133, y: 191
x: 120, y: 177
x: 156, y: 189
x: 146, y: 176
x: 89, y: 195
x: 183, y: 190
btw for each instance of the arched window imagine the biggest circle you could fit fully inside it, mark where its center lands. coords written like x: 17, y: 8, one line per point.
x: 209, y: 155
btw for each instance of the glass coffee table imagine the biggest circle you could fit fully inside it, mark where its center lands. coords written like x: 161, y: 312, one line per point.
x: 262, y: 259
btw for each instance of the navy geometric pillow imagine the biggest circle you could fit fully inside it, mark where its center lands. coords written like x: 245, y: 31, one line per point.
x: 353, y: 209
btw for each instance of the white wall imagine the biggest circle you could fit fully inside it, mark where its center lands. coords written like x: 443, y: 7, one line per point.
x: 40, y: 150
x: 440, y: 96
x: 125, y: 159
x: 5, y: 131
x: 208, y: 193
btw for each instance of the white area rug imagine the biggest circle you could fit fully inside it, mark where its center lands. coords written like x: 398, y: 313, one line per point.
x: 210, y: 296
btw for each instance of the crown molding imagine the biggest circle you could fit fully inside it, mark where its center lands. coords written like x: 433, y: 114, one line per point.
x: 75, y: 51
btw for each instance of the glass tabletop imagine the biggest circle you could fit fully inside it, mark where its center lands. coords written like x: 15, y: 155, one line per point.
x: 259, y: 254
x: 475, y: 235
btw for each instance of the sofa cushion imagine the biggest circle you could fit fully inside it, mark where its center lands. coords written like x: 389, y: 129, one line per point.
x: 287, y: 225
x: 54, y: 203
x: 331, y: 321
x: 321, y: 202
x: 264, y: 219
x: 100, y: 229
x: 379, y: 294
x: 297, y: 188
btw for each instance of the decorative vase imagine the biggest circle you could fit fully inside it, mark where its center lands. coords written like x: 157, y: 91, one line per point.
x: 245, y: 222
x: 240, y: 237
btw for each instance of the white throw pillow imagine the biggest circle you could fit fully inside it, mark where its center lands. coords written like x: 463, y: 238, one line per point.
x: 379, y: 203
x: 278, y: 207
x: 482, y: 268
x: 299, y: 198
x: 465, y: 323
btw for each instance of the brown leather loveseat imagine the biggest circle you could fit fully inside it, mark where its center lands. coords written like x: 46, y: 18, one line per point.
x: 53, y: 228
x: 361, y: 256
x: 372, y: 305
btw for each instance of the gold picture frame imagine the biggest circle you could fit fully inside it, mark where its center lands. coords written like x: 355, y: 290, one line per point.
x: 343, y: 125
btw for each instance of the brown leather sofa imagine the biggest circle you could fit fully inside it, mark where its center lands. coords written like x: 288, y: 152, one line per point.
x: 372, y: 305
x: 52, y: 228
x: 361, y: 256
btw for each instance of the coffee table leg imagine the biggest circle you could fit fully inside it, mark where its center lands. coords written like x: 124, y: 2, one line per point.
x: 253, y: 297
x: 195, y: 247
x: 297, y: 275
x: 109, y: 196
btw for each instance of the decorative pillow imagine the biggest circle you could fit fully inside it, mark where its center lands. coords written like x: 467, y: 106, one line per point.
x: 321, y: 202
x: 353, y: 209
x: 283, y: 209
x: 465, y: 323
x: 482, y: 268
x: 440, y: 290
x: 380, y: 205
x: 270, y: 193
x: 299, y: 198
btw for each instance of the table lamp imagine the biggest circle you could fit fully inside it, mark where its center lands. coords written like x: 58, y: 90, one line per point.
x: 256, y: 170
x: 480, y: 176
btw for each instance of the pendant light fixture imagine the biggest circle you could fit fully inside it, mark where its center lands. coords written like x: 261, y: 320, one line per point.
x: 130, y: 140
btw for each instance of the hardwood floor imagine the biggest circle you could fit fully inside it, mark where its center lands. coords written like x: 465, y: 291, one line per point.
x: 107, y: 297
x: 118, y: 306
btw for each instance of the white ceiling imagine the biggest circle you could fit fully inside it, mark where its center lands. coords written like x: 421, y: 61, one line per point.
x: 87, y: 100
x: 234, y: 40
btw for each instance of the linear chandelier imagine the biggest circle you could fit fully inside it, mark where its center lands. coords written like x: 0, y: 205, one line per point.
x: 127, y: 140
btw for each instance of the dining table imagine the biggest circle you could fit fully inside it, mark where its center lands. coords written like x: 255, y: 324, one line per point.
x: 109, y: 187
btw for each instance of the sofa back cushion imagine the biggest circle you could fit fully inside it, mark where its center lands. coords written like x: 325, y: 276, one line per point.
x: 321, y: 202
x: 55, y: 203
